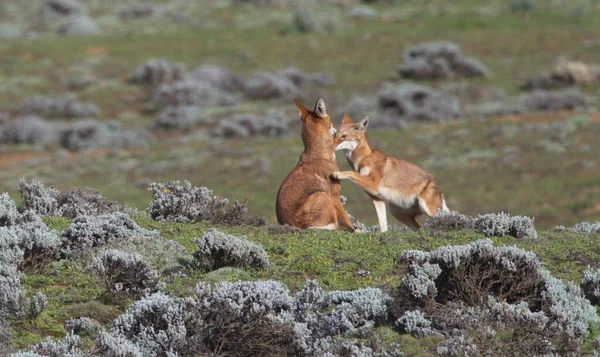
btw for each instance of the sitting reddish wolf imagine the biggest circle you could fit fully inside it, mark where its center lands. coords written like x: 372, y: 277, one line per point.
x: 407, y: 189
x: 308, y: 197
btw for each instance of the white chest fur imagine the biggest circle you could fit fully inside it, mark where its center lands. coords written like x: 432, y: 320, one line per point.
x: 365, y: 171
x: 397, y: 198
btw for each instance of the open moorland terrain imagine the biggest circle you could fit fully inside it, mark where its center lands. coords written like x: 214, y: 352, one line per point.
x: 497, y: 99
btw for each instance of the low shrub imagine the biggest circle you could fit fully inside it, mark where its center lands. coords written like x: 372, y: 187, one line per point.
x: 5, y: 338
x: 418, y: 103
x: 217, y: 250
x: 449, y: 221
x: 51, y: 202
x: 219, y: 77
x: 499, y: 224
x: 95, y: 231
x: 541, y: 101
x: 188, y: 92
x: 184, y: 203
x: 306, y: 17
x: 415, y: 323
x: 439, y: 60
x: 14, y: 301
x: 267, y: 85
x: 56, y: 9
x: 79, y: 26
x: 157, y: 71
x: 65, y: 106
x: 91, y: 134
x: 181, y: 118
x: 67, y: 346
x: 125, y: 273
x: 83, y: 326
x: 139, y: 10
x: 590, y: 285
x: 9, y: 215
x: 272, y: 124
x: 29, y: 130
x: 496, y: 298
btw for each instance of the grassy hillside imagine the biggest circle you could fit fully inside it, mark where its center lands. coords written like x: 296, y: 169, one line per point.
x: 539, y: 163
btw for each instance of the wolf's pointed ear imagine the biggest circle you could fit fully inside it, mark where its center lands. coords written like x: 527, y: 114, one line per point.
x: 302, y: 111
x: 347, y: 119
x: 363, y: 124
x: 320, y: 109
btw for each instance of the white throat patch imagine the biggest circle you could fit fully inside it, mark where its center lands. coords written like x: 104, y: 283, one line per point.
x: 332, y: 131
x: 348, y: 146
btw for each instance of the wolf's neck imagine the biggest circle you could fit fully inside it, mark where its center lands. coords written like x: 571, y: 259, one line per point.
x: 319, y: 149
x: 356, y: 156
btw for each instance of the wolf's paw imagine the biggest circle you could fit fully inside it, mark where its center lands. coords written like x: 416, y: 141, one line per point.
x: 338, y: 176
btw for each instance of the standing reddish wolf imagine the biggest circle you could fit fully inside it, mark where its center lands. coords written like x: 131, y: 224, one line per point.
x: 407, y: 189
x: 308, y: 197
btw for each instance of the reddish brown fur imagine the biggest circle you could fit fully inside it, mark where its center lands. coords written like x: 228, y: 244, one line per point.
x: 404, y: 186
x: 308, y: 197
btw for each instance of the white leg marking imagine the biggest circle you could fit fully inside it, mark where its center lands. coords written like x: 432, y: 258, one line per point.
x: 444, y: 207
x: 424, y: 207
x: 365, y: 171
x: 381, y: 214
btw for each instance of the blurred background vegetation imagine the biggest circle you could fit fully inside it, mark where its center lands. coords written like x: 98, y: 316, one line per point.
x: 115, y: 95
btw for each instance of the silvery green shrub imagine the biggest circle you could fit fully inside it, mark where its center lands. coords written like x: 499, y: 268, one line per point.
x: 95, y: 231
x: 29, y: 130
x: 217, y: 76
x: 268, y: 85
x: 5, y: 338
x: 65, y: 106
x: 191, y: 92
x: 14, y: 301
x: 504, y: 285
x: 180, y: 117
x: 8, y: 210
x: 418, y: 103
x: 184, y: 203
x: 123, y: 272
x: 71, y: 203
x: 590, y: 284
x: 11, y: 252
x: 499, y: 224
x: 155, y: 325
x: 112, y: 345
x: 38, y: 242
x: 439, y: 60
x: 248, y: 318
x: 587, y: 227
x: 241, y: 126
x: 83, y: 326
x: 66, y: 347
x: 79, y: 26
x: 449, y: 221
x: 415, y: 323
x: 90, y: 134
x: 136, y: 11
x: 217, y: 249
x: 541, y: 100
x: 38, y: 198
x: 369, y: 304
x: 157, y: 71
x: 54, y: 9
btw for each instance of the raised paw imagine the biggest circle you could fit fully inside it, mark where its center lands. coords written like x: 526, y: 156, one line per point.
x: 338, y: 176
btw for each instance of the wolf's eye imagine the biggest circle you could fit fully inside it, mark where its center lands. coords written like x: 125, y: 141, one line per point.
x: 343, y: 136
